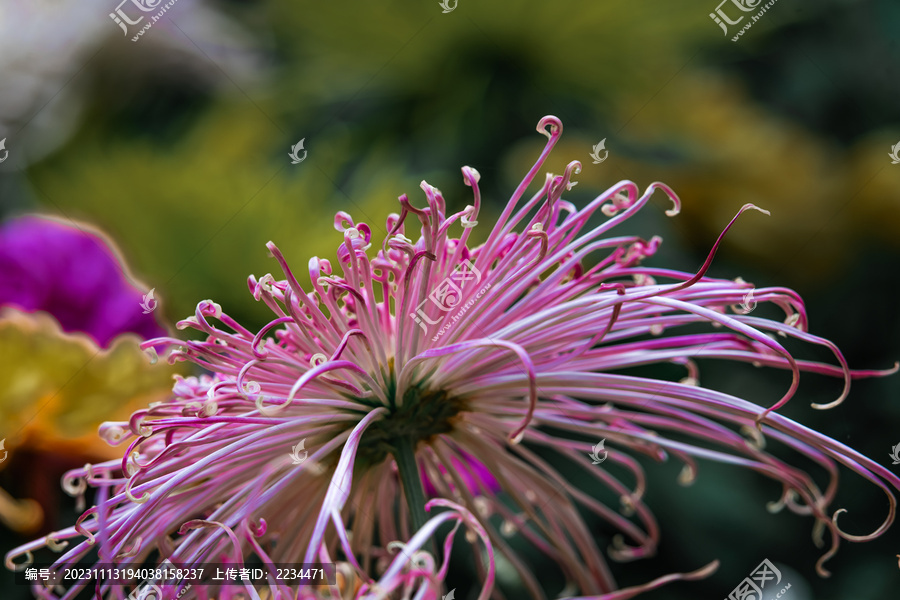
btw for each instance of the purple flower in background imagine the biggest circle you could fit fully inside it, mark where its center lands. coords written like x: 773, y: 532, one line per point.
x: 434, y: 367
x: 75, y: 274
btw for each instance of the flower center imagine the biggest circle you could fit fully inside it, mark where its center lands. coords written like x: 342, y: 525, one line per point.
x: 421, y: 415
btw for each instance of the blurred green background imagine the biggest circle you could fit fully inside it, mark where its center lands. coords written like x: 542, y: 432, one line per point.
x: 177, y: 146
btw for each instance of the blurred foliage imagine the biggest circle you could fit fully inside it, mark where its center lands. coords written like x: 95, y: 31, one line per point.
x: 194, y: 186
x: 399, y: 91
x: 198, y: 227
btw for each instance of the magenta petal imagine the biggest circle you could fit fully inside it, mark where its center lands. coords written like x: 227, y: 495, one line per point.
x: 74, y: 274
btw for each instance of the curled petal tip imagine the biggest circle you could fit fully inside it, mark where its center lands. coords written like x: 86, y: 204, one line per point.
x: 820, y: 569
x: 470, y: 175
x: 574, y: 167
x: 836, y: 513
x: 749, y: 206
x: 208, y: 307
x: 829, y: 405
x: 342, y: 221
x: 136, y: 499
x: 550, y: 126
x: 676, y: 201
x: 185, y: 323
x: 112, y: 433
x: 29, y: 560
x: 54, y: 544
x: 860, y: 538
x: 152, y: 355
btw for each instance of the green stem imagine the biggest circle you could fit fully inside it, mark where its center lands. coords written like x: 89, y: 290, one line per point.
x: 405, y: 455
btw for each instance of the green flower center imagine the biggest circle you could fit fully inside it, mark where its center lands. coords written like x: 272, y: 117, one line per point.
x: 419, y: 417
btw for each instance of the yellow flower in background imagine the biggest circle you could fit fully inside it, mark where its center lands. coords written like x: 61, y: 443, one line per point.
x: 58, y: 387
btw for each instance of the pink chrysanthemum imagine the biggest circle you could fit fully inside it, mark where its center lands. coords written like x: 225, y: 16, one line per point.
x: 463, y: 367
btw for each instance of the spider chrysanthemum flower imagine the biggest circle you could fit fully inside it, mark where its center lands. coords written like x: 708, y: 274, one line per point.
x: 464, y: 368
